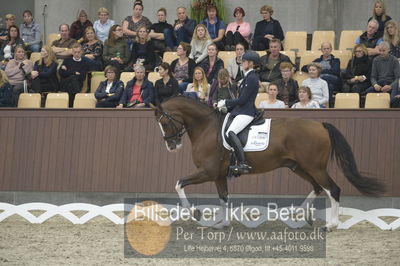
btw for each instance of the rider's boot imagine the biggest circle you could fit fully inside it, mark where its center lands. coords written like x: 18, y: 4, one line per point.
x: 242, y: 167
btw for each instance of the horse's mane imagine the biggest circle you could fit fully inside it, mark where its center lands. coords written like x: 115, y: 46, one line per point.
x: 185, y: 98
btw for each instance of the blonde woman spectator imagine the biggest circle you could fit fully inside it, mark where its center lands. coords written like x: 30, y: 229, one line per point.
x: 10, y: 21
x: 78, y: 27
x: 103, y: 24
x: 305, y: 99
x: 17, y: 70
x: 44, y: 72
x: 142, y: 51
x: 199, y: 88
x: 379, y: 14
x: 272, y: 102
x: 223, y: 88
x: 266, y: 30
x: 200, y: 41
x: 92, y: 49
x: 392, y: 36
x: 318, y: 86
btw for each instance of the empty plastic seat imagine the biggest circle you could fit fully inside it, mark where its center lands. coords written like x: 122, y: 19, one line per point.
x: 322, y: 36
x: 299, y: 76
x: 52, y: 37
x: 85, y: 100
x: 153, y: 77
x: 97, y: 77
x: 344, y: 57
x: 261, y: 96
x: 169, y: 57
x: 226, y: 56
x: 306, y: 57
x: 29, y: 100
x: 126, y: 77
x: 377, y: 100
x: 291, y: 55
x: 35, y: 56
x: 348, y: 39
x: 57, y: 100
x: 295, y: 41
x: 347, y: 100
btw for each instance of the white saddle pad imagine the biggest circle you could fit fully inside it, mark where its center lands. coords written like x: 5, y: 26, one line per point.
x: 258, y: 138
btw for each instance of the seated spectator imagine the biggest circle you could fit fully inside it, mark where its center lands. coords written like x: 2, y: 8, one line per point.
x: 92, y: 50
x: 62, y: 47
x: 269, y: 64
x: 201, y: 40
x: 379, y: 14
x: 392, y: 36
x: 73, y: 72
x: 17, y: 71
x: 212, y: 63
x: 357, y: 75
x: 235, y: 64
x: 287, y: 86
x: 223, y: 88
x: 167, y: 86
x: 10, y: 21
x: 200, y: 88
x: 215, y: 26
x: 318, y: 86
x: 183, y: 67
x: 6, y: 91
x: 266, y: 30
x: 7, y: 47
x: 183, y: 26
x: 142, y: 51
x: 78, y: 27
x: 103, y: 24
x: 305, y: 99
x: 370, y: 38
x: 30, y: 33
x: 330, y: 69
x: 139, y: 92
x: 272, y: 101
x: 109, y: 92
x: 238, y: 31
x: 131, y: 24
x: 116, y: 51
x: 385, y: 71
x: 44, y: 72
x: 162, y: 33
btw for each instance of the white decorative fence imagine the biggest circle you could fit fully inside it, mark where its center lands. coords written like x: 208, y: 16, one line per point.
x: 92, y: 211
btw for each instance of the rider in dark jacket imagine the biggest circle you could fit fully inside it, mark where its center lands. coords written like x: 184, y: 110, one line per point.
x: 243, y: 108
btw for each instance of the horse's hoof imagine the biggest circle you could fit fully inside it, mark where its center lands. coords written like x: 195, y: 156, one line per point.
x: 197, y: 214
x: 221, y: 225
x: 310, y: 222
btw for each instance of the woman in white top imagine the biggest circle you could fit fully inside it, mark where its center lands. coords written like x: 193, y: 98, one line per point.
x: 305, y: 97
x: 199, y: 86
x: 235, y: 64
x: 200, y: 41
x: 318, y: 86
x: 272, y: 102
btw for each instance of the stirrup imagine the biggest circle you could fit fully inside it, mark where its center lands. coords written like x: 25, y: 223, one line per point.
x: 242, y: 168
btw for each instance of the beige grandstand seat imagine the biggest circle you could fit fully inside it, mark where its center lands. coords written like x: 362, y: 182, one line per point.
x: 126, y: 77
x: 153, y: 77
x: 52, y: 37
x: 97, y: 77
x: 29, y: 100
x: 344, y: 57
x: 226, y: 56
x: 306, y: 57
x: 322, y: 36
x: 291, y: 55
x: 347, y: 100
x: 261, y: 53
x: 299, y: 76
x: 85, y: 100
x: 348, y: 39
x: 377, y: 100
x: 261, y: 96
x: 295, y: 41
x: 85, y: 84
x: 169, y: 57
x: 57, y: 100
x: 35, y: 56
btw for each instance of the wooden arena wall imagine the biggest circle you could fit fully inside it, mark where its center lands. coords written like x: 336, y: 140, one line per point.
x: 122, y: 151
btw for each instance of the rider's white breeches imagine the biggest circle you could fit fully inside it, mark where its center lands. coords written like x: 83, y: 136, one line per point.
x: 239, y: 123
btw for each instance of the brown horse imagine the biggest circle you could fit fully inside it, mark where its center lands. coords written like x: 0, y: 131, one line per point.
x: 304, y: 146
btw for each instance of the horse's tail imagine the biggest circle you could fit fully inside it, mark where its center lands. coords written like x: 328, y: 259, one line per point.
x: 341, y: 151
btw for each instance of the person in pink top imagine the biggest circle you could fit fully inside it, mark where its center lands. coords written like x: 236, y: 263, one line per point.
x: 237, y: 31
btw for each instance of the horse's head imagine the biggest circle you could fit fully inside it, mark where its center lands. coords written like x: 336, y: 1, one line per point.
x: 172, y: 128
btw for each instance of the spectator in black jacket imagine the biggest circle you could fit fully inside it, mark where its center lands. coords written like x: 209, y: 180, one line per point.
x: 357, y: 75
x: 287, y: 86
x: 167, y: 86
x: 44, y: 72
x: 183, y: 67
x: 212, y: 64
x: 6, y: 91
x: 184, y: 26
x: 142, y: 51
x: 7, y: 47
x: 139, y: 92
x: 162, y: 33
x: 266, y: 30
x: 73, y: 72
x: 109, y: 92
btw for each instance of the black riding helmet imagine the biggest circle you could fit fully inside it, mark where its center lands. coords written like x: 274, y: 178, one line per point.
x: 252, y: 56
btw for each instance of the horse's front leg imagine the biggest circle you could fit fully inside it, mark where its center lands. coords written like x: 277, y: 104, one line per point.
x: 222, y: 187
x: 196, y: 178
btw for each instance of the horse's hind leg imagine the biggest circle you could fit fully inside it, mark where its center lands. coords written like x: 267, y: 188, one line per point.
x: 222, y: 188
x: 317, y: 189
